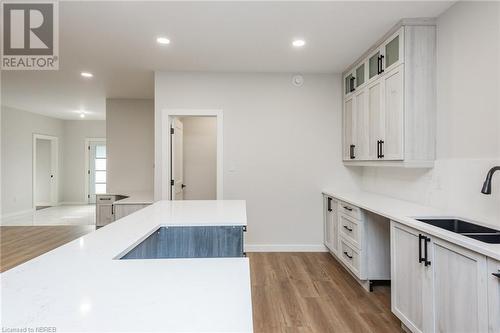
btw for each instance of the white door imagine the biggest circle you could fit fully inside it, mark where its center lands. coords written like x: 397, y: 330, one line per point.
x: 410, y: 279
x: 96, y: 169
x: 348, y: 129
x: 177, y: 179
x: 375, y: 118
x: 392, y: 139
x: 460, y: 289
x: 361, y: 128
x: 493, y: 278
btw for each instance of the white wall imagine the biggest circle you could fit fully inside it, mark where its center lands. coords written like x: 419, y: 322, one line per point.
x: 468, y: 120
x: 282, y: 146
x: 43, y: 172
x: 130, y: 145
x: 18, y: 128
x: 200, y: 158
x: 74, y: 168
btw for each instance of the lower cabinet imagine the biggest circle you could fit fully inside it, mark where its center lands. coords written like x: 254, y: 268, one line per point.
x: 331, y: 223
x: 493, y: 278
x: 437, y: 286
x: 122, y: 210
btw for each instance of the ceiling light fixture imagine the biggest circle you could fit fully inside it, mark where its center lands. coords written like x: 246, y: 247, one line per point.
x: 298, y: 43
x: 86, y: 74
x: 82, y: 115
x: 163, y: 40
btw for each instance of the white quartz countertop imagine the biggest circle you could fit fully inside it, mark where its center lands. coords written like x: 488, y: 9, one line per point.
x: 80, y: 287
x: 137, y: 198
x: 405, y: 213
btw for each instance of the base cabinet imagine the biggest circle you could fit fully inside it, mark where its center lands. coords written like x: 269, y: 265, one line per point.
x: 331, y: 224
x: 493, y: 278
x: 437, y: 286
x: 122, y: 210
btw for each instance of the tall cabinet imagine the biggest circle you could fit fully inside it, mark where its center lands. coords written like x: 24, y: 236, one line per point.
x: 389, y: 94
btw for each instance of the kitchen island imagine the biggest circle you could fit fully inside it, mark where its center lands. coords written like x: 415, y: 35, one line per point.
x: 84, y: 286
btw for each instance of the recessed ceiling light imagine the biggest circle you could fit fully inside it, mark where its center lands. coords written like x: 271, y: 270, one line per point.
x: 163, y: 40
x: 86, y: 74
x: 82, y: 115
x: 299, y: 43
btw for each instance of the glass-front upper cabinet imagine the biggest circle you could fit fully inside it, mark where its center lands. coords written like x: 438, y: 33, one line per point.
x: 360, y: 75
x: 374, y: 65
x: 349, y: 83
x: 393, y: 50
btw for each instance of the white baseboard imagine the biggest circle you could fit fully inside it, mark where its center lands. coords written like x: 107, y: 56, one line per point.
x: 49, y: 204
x: 68, y: 203
x: 285, y: 248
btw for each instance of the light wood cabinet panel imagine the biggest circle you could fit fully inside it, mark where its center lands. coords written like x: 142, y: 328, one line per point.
x: 361, y: 125
x: 330, y: 223
x: 408, y: 281
x: 375, y: 101
x: 124, y: 210
x: 348, y: 129
x: 392, y: 137
x: 104, y: 215
x: 459, y: 289
x: 493, y: 278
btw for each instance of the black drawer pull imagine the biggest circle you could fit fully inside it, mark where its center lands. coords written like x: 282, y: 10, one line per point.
x: 496, y: 274
x: 104, y: 198
x: 346, y: 227
x: 347, y: 255
x: 329, y: 204
x: 348, y: 208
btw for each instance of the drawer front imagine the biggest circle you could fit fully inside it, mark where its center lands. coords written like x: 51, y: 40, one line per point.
x: 350, y: 257
x: 350, y: 210
x: 350, y: 228
x: 105, y: 199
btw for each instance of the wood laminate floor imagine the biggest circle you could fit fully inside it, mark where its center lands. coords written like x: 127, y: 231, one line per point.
x: 291, y: 292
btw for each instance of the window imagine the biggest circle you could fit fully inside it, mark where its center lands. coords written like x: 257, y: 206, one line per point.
x: 100, y: 169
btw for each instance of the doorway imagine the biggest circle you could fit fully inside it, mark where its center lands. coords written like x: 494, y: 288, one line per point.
x: 45, y: 171
x: 96, y: 166
x: 193, y: 158
x: 193, y: 151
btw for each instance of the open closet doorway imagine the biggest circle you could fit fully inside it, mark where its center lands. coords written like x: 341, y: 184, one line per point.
x: 195, y: 157
x: 96, y: 166
x: 45, y: 171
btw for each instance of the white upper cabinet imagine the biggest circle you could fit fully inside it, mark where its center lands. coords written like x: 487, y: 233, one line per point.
x: 390, y: 99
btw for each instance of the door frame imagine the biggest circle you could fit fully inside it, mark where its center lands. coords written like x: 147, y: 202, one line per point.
x: 87, y: 160
x: 166, y: 119
x: 54, y: 164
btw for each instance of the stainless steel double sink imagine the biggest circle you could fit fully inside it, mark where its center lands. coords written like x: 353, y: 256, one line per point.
x: 465, y: 228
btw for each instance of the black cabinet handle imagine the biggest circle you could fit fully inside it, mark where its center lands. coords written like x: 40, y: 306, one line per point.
x: 329, y: 204
x: 347, y: 255
x: 381, y: 148
x: 379, y: 154
x: 346, y: 227
x: 426, y: 261
x: 348, y: 208
x: 496, y: 274
x: 351, y: 152
x: 381, y: 64
x: 378, y: 65
x: 112, y: 209
x: 420, y: 238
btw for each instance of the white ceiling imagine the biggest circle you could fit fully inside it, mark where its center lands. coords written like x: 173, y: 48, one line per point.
x: 117, y: 42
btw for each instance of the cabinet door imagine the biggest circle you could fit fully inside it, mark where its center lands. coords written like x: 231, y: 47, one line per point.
x: 392, y: 50
x: 375, y: 100
x: 348, y: 129
x: 459, y: 289
x: 361, y: 128
x: 104, y: 215
x: 360, y: 73
x: 374, y: 65
x: 408, y: 279
x: 349, y: 83
x: 493, y: 278
x: 392, y: 146
x: 331, y: 225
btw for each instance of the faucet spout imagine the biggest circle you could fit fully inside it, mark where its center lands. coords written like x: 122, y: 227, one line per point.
x: 487, y: 182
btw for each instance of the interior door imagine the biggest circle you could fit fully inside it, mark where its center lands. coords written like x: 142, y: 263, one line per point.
x: 392, y: 147
x: 177, y: 179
